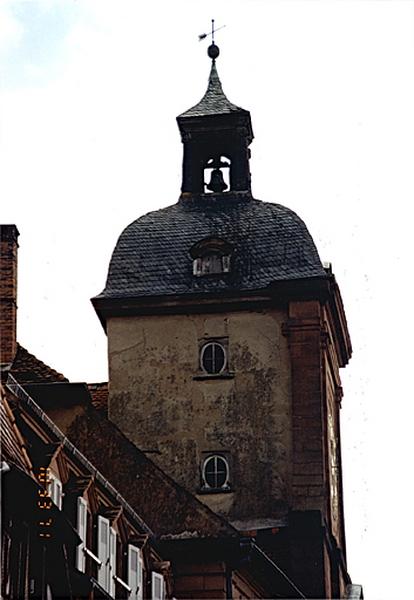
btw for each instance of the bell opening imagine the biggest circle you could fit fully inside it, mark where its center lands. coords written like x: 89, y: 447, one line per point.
x: 217, y: 175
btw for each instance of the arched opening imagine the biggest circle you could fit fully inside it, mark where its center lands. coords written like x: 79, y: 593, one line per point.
x: 217, y: 175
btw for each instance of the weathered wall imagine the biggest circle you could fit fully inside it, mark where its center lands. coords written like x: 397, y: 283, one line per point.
x: 156, y: 401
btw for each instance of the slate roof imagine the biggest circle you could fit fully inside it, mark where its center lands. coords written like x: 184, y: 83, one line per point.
x: 214, y: 101
x: 271, y: 243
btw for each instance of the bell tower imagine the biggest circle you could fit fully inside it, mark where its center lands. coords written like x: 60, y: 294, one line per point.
x: 216, y: 135
x: 226, y: 336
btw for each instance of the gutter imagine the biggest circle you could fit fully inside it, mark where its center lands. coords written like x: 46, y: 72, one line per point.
x: 15, y: 387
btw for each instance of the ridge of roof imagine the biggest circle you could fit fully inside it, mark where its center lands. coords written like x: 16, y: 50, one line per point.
x: 27, y: 368
x: 214, y: 101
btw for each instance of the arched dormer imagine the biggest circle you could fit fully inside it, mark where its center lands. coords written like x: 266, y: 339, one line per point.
x: 211, y: 256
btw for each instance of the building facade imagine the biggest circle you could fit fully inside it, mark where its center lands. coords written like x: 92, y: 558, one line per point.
x: 209, y: 466
x: 225, y: 339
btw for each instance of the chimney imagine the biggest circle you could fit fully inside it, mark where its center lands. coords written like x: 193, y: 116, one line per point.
x: 8, y: 293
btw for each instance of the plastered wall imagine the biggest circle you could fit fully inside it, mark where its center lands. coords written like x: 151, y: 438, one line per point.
x: 159, y: 403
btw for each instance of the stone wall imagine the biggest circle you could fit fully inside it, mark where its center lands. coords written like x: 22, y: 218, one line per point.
x: 159, y: 401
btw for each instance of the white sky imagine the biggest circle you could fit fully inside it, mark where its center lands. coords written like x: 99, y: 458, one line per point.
x: 89, y: 142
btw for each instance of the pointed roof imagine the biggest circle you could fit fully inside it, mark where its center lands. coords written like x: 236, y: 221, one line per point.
x: 28, y: 368
x: 214, y: 101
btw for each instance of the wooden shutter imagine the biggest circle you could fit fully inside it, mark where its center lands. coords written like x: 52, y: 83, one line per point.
x: 112, y: 562
x: 157, y: 586
x: 82, y: 528
x: 103, y: 552
x: 140, y: 595
x: 55, y: 491
x: 58, y: 493
x: 135, y: 573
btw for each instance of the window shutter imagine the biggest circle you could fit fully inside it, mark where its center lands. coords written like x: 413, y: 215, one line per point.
x: 157, y: 586
x: 133, y: 573
x: 58, y: 493
x: 140, y: 595
x: 82, y: 528
x: 103, y: 551
x: 112, y: 561
x: 55, y: 491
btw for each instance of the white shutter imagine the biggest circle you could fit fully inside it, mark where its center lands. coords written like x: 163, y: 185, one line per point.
x: 140, y: 595
x: 58, y: 493
x: 112, y: 561
x: 157, y: 587
x: 135, y: 573
x: 55, y: 491
x: 103, y: 552
x: 82, y: 528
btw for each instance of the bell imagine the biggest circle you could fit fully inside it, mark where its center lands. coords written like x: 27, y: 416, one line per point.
x: 217, y: 183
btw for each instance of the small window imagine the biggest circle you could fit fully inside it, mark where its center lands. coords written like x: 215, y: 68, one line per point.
x: 215, y: 473
x: 211, y: 256
x: 213, y: 359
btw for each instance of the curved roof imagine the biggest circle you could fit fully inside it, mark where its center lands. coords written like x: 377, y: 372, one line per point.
x: 152, y: 255
x: 214, y: 101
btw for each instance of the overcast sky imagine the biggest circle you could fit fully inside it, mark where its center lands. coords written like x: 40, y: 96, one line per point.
x: 89, y: 143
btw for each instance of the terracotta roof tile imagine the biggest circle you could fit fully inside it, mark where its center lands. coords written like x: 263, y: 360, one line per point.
x: 12, y: 443
x: 27, y: 368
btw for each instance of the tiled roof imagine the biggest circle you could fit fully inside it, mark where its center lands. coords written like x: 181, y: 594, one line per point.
x: 271, y: 243
x: 12, y: 443
x: 167, y: 508
x: 214, y: 101
x: 27, y: 368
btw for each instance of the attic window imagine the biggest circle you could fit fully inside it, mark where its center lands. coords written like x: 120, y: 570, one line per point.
x: 211, y: 257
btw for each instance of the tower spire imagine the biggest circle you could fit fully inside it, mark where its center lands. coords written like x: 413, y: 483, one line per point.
x: 216, y: 134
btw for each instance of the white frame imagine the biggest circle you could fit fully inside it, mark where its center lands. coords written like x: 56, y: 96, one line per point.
x: 202, y: 352
x: 137, y: 593
x: 55, y: 490
x: 103, y: 553
x: 157, y: 577
x: 82, y: 529
x: 206, y: 485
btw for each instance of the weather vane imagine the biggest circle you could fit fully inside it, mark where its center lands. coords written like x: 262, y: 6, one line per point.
x: 203, y: 36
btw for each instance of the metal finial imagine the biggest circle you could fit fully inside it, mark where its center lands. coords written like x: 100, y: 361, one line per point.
x: 203, y: 36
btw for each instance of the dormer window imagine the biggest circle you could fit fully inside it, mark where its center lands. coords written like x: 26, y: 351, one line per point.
x: 211, y: 257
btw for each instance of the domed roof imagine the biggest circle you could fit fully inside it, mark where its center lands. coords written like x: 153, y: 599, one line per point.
x: 269, y: 243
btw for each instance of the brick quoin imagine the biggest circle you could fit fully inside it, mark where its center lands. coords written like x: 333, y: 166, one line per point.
x: 8, y: 292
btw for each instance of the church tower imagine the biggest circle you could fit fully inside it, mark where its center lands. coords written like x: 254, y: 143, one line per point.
x: 225, y: 339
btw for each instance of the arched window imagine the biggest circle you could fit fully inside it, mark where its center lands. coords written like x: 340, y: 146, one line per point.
x: 215, y: 473
x: 213, y: 358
